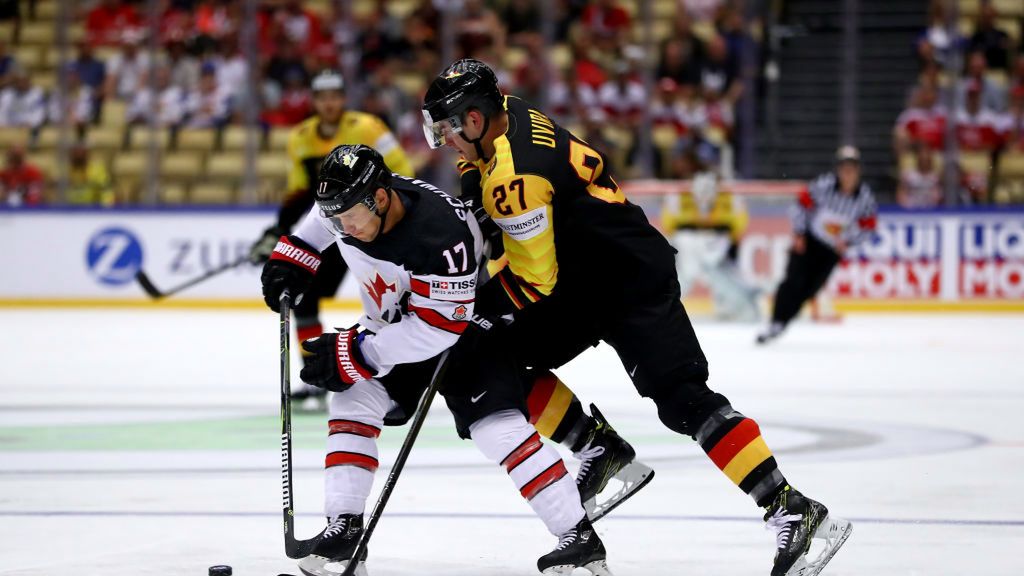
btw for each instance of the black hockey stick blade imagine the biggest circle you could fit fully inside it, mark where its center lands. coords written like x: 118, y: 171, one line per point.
x: 396, y: 469
x: 293, y: 547
x: 155, y: 293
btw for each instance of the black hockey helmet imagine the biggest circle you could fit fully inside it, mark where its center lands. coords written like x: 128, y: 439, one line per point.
x: 464, y: 85
x: 350, y: 175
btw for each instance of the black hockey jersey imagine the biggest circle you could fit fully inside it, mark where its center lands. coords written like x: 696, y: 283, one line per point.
x: 417, y: 281
x: 565, y: 219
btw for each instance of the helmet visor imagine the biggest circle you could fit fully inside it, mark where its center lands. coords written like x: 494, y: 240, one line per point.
x: 438, y: 133
x: 352, y: 221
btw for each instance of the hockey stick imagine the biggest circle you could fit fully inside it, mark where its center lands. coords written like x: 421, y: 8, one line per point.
x: 292, y: 547
x: 157, y: 294
x: 396, y: 469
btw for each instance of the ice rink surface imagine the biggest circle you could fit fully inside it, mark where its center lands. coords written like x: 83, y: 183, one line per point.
x: 138, y: 442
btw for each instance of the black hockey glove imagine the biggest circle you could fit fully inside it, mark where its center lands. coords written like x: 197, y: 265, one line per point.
x: 261, y: 250
x: 494, y: 246
x: 336, y: 363
x: 291, y: 266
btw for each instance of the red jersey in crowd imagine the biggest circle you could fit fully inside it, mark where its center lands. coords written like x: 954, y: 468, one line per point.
x: 107, y: 22
x: 21, y: 186
x: 984, y: 130
x: 924, y: 125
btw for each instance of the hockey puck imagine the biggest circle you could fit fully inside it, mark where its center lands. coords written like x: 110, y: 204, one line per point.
x: 220, y: 571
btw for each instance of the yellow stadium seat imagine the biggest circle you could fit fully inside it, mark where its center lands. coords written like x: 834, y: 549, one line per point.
x: 130, y: 165
x: 514, y: 57
x: 226, y: 166
x: 401, y: 9
x: 172, y: 194
x: 560, y: 56
x: 12, y: 136
x: 272, y: 165
x: 38, y: 33
x: 235, y: 137
x: 104, y: 138
x: 362, y: 8
x: 76, y: 33
x: 976, y: 162
x: 46, y: 10
x: 1012, y: 164
x: 141, y: 137
x: 201, y: 139
x: 46, y: 162
x: 48, y: 138
x: 321, y: 8
x: 30, y: 58
x: 278, y: 139
x: 181, y: 165
x: 212, y: 194
x: 7, y: 32
x: 115, y: 112
x: 45, y: 80
x: 664, y: 137
x: 411, y: 83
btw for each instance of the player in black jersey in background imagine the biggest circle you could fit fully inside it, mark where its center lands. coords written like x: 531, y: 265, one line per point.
x: 415, y: 251
x: 591, y: 267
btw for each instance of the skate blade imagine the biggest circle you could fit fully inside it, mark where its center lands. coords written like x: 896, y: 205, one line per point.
x: 632, y: 478
x: 596, y: 568
x: 834, y: 531
x: 314, y: 565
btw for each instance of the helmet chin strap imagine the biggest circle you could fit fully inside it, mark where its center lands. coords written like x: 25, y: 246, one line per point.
x: 476, y: 141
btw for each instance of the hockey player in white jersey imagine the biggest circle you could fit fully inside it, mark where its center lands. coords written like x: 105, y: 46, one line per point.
x: 415, y: 254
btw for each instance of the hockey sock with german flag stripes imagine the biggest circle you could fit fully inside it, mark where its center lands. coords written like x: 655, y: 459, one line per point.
x: 536, y: 469
x: 734, y: 443
x: 555, y: 411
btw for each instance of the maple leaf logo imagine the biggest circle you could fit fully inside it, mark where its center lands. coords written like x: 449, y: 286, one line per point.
x: 378, y: 288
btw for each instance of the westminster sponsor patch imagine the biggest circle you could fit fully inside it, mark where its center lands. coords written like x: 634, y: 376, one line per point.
x: 525, y: 226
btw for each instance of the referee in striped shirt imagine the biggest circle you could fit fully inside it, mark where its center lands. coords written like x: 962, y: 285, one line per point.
x: 836, y: 211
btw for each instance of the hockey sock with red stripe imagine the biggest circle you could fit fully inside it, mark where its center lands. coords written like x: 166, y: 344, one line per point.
x: 734, y: 443
x: 536, y: 469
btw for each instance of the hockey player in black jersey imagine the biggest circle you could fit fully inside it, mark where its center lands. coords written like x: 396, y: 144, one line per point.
x: 415, y: 252
x: 585, y: 264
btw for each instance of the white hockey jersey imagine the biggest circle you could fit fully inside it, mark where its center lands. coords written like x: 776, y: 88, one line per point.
x: 417, y: 281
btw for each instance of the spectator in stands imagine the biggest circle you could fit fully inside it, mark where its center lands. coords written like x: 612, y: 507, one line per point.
x: 718, y: 71
x: 381, y: 39
x: 294, y: 105
x: 623, y: 97
x: 680, y: 53
x: 1015, y: 120
x: 993, y: 95
x: 7, y: 66
x: 978, y: 128
x: 184, y: 67
x: 522, y: 20
x: 108, y: 20
x: 176, y: 22
x: 920, y: 184
x: 608, y: 23
x: 76, y: 105
x: 126, y: 69
x: 21, y: 183
x: 720, y: 117
x: 936, y: 44
x: 232, y: 68
x: 209, y: 106
x: 22, y: 104
x: 392, y: 101
x: 91, y: 70
x: 287, y: 61
x: 88, y: 180
x: 163, y: 105
x: 300, y: 26
x: 924, y: 122
x: 1017, y: 75
x: 479, y: 33
x: 215, y: 19
x: 571, y: 100
x: 994, y: 43
x: 701, y: 10
x: 585, y: 67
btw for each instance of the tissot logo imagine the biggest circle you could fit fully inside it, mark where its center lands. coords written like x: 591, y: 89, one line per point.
x: 114, y: 256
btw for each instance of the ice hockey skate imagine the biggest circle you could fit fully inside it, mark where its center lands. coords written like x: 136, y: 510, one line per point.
x: 605, y: 456
x: 773, y: 331
x: 334, y: 551
x: 580, y: 547
x: 800, y: 525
